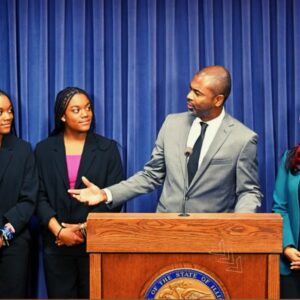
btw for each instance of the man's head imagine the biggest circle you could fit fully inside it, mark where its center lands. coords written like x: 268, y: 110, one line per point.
x: 209, y: 89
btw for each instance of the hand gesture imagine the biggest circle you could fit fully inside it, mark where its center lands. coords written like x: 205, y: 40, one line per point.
x: 91, y: 195
x: 293, y: 255
x: 73, y: 227
x: 70, y: 236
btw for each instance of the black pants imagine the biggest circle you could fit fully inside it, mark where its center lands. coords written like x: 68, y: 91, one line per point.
x: 13, y: 272
x: 290, y: 286
x: 67, y: 276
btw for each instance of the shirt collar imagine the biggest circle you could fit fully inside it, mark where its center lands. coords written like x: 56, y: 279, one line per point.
x: 214, y: 121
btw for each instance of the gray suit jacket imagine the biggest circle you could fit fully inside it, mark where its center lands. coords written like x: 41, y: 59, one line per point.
x: 227, y: 180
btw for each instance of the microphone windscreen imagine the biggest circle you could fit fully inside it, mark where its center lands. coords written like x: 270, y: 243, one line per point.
x: 188, y: 151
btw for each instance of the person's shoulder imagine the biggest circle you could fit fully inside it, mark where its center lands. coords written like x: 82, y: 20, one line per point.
x: 18, y: 145
x: 238, y: 126
x: 18, y: 142
x: 178, y: 116
x: 288, y: 152
x: 285, y: 154
x: 14, y: 141
x: 46, y: 143
x: 102, y: 142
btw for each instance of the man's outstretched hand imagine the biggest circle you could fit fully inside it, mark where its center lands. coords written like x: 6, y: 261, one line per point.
x: 91, y: 195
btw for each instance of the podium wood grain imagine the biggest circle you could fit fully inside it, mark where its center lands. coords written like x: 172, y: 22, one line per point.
x: 242, y: 250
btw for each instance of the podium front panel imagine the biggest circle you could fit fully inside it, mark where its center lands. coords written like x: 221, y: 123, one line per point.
x: 236, y: 255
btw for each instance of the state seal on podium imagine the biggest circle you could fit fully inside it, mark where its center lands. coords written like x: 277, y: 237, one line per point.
x: 184, y: 281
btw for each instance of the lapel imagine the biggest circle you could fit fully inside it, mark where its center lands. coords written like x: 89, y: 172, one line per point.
x: 6, y: 153
x: 184, y: 133
x: 59, y: 155
x: 221, y: 136
x: 87, y: 158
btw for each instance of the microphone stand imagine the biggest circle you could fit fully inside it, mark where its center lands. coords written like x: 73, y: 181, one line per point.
x: 183, y: 213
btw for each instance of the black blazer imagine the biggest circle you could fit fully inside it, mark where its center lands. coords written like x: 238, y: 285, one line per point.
x: 18, y: 188
x: 100, y: 163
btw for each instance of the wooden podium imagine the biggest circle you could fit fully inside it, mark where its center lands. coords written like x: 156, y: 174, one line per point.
x: 132, y: 254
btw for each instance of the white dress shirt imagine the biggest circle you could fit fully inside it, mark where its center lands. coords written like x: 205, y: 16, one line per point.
x: 211, y: 130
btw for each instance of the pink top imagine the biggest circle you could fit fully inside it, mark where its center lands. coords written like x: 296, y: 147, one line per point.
x: 73, y: 162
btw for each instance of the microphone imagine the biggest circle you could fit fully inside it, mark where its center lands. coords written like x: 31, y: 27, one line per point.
x: 187, y: 153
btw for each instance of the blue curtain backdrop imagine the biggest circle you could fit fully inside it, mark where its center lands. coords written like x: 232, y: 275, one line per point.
x: 136, y: 58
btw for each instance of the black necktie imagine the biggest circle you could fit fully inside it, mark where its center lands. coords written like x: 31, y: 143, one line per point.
x: 194, y: 158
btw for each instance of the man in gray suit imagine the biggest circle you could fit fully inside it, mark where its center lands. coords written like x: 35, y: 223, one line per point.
x: 225, y: 177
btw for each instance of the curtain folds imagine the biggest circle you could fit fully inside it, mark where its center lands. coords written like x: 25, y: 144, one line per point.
x: 136, y: 58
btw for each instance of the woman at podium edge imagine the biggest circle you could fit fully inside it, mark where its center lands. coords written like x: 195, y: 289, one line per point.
x: 286, y: 199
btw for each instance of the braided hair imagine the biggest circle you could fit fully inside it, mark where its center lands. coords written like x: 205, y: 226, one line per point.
x: 63, y: 98
x: 13, y: 128
x: 293, y: 160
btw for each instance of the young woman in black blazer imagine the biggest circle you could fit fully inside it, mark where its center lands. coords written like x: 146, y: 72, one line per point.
x: 18, y: 192
x: 71, y: 151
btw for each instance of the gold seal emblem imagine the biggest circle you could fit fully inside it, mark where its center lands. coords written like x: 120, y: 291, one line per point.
x: 185, y: 289
x: 184, y: 282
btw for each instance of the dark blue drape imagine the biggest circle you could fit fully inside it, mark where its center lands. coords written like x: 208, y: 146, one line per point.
x: 136, y: 58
